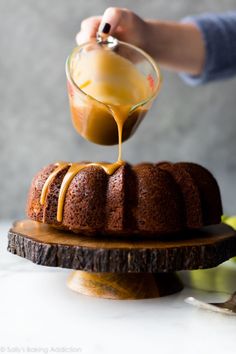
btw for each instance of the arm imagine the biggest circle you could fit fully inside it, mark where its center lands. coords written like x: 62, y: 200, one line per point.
x: 176, y: 46
x: 219, y: 36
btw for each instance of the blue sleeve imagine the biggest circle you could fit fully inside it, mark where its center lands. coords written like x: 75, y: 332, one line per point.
x: 219, y: 36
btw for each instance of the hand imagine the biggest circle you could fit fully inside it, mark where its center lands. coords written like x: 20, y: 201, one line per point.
x: 124, y: 25
x: 176, y: 46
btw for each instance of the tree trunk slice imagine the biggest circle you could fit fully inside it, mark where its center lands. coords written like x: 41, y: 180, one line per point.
x: 123, y: 286
x: 44, y: 245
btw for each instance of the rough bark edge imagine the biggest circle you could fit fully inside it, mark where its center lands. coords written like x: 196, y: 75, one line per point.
x: 122, y: 260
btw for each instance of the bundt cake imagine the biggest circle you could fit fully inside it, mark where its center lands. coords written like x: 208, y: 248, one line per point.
x: 141, y: 199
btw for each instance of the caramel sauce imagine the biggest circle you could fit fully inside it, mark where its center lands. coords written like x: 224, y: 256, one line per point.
x: 74, y: 168
x: 59, y: 167
x: 117, y: 86
x: 112, y: 86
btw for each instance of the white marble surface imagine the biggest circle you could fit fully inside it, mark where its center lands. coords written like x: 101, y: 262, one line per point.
x: 38, y: 314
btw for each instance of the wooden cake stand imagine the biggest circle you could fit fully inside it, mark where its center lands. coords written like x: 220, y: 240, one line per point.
x: 122, y: 268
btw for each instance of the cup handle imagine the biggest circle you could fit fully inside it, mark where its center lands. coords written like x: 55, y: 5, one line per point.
x: 106, y: 40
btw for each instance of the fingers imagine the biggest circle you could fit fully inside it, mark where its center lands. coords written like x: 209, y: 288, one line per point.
x: 114, y: 19
x: 89, y: 28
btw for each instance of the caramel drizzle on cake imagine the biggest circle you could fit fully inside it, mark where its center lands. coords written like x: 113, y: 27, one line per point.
x: 74, y: 168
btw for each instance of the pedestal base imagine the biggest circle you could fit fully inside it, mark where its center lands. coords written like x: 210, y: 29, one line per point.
x: 121, y: 286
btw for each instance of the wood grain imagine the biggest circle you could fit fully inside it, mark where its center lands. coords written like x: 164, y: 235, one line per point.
x: 47, y: 246
x: 122, y: 286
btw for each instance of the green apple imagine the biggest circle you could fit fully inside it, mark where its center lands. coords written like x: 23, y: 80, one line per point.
x: 219, y: 279
x: 231, y: 221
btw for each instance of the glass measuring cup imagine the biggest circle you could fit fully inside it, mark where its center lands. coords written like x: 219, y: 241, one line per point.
x: 93, y: 118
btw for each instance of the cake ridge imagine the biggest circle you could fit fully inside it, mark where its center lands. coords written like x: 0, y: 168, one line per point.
x: 145, y: 198
x: 190, y: 193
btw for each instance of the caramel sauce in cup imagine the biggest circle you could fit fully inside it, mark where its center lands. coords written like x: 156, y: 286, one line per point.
x: 109, y: 94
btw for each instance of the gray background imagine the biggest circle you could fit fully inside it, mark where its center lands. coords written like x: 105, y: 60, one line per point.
x: 194, y: 124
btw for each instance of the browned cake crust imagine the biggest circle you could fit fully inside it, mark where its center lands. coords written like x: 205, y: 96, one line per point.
x: 142, y: 199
